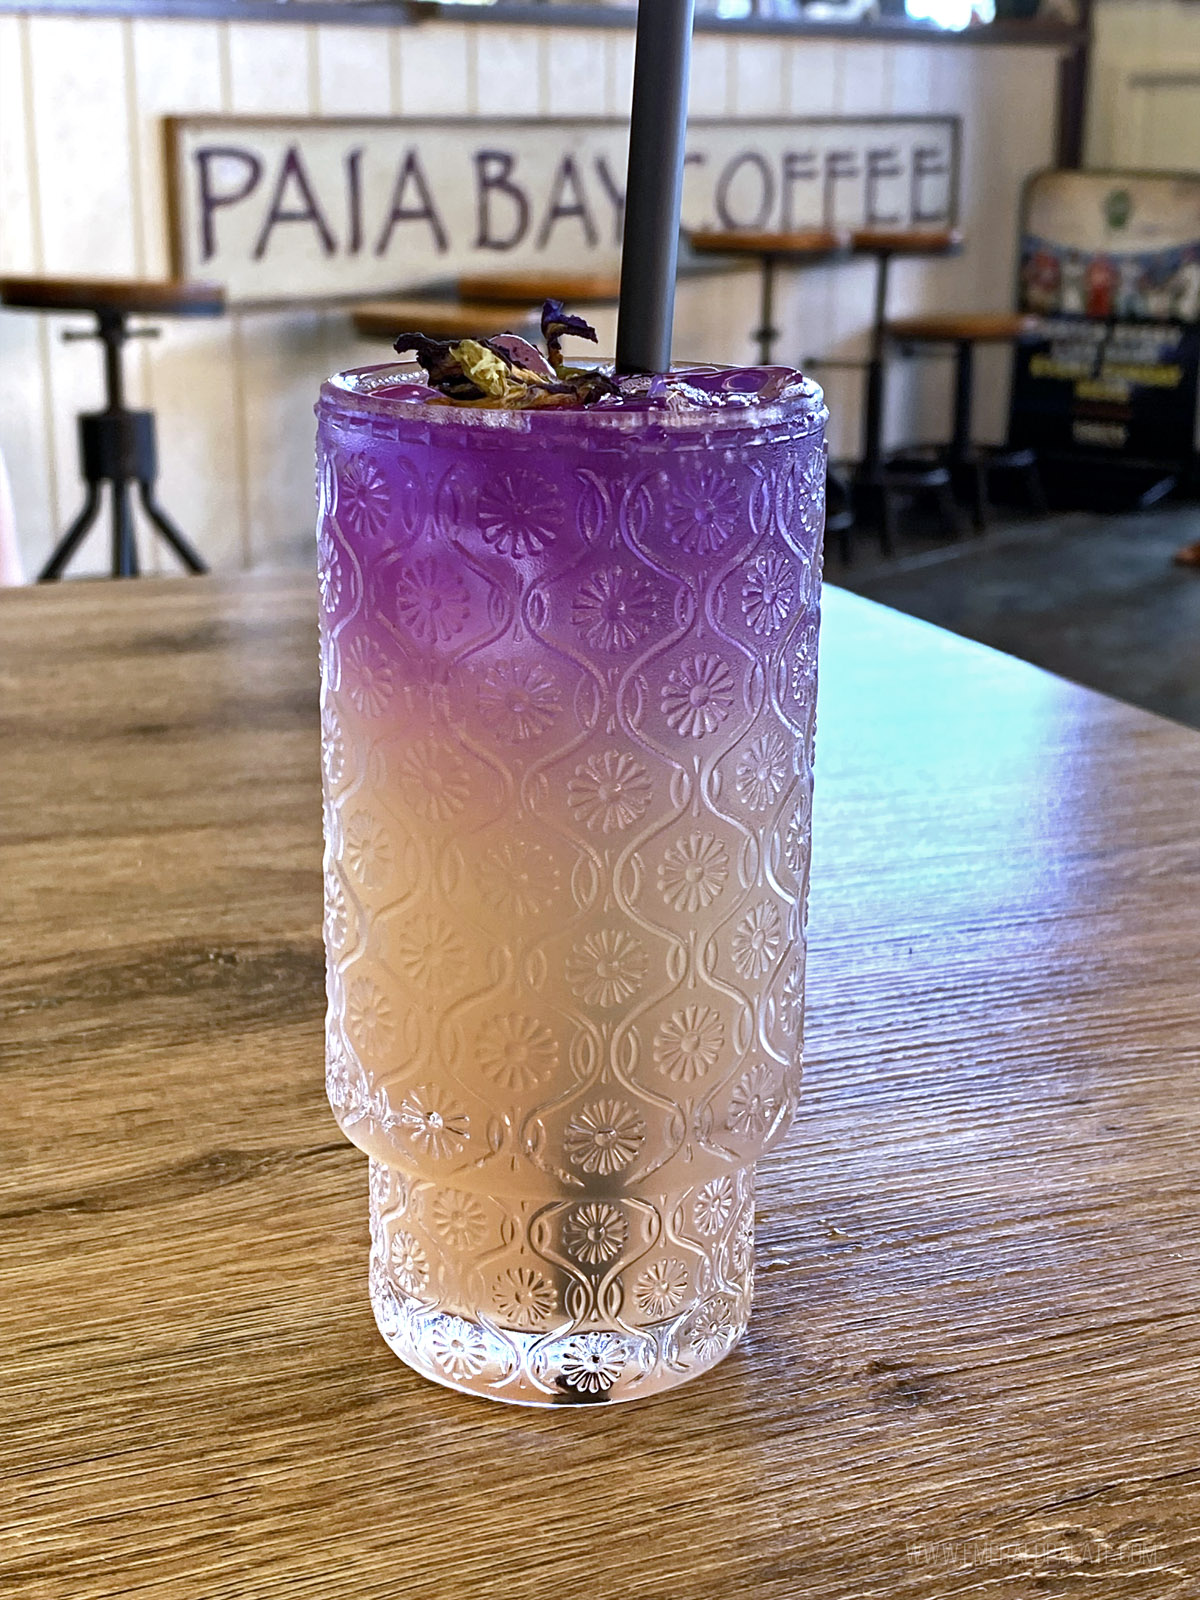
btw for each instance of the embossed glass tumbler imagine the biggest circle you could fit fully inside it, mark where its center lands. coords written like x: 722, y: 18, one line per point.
x: 569, y: 672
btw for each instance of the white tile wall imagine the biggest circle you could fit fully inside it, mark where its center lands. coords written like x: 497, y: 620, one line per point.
x: 81, y: 187
x: 1133, y: 124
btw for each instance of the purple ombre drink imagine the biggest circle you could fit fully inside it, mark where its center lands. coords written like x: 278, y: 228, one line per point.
x: 569, y: 675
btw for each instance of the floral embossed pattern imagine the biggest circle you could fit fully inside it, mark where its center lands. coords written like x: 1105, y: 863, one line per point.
x: 698, y: 695
x: 432, y: 603
x: 693, y: 872
x: 606, y: 967
x: 768, y: 590
x: 604, y: 1137
x: 520, y: 513
x: 529, y: 1326
x: 703, y: 511
x: 566, y: 725
x: 614, y: 610
x: 609, y: 792
x: 689, y: 1043
x: 363, y: 502
x: 516, y: 1052
x: 519, y: 701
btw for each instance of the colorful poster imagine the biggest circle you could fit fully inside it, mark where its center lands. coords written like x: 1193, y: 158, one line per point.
x: 1111, y: 262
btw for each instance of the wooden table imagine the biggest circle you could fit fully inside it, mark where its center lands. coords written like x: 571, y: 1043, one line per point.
x: 972, y: 1369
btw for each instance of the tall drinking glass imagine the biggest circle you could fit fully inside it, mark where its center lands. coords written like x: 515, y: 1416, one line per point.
x: 568, y: 687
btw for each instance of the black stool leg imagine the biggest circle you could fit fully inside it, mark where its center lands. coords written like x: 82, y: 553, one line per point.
x: 124, y: 555
x: 1037, y: 490
x: 169, y: 531
x: 766, y: 331
x: 887, y: 520
x: 873, y: 441
x: 979, y: 495
x: 73, y: 538
x: 948, y: 507
x: 964, y: 384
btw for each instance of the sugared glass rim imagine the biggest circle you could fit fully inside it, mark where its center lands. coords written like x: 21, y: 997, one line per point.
x: 800, y: 408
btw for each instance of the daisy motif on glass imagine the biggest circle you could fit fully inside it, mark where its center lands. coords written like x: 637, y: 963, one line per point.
x: 614, y: 609
x: 796, y: 837
x: 520, y: 513
x: 429, y: 952
x: 433, y: 1124
x: 693, y: 872
x: 333, y: 747
x: 703, y: 512
x: 762, y: 771
x: 431, y: 601
x: 812, y: 493
x: 804, y: 666
x: 768, y: 589
x: 337, y: 912
x: 753, y: 1104
x: 459, y: 1349
x: 595, y: 1233
x: 518, y: 878
x: 519, y: 701
x: 713, y: 1205
x: 712, y: 1328
x: 516, y: 1052
x: 369, y: 1016
x: 329, y: 572
x: 410, y: 1268
x: 757, y: 941
x: 791, y: 998
x: 689, y: 1043
x: 363, y: 500
x: 523, y: 1297
x: 368, y: 851
x: 432, y: 780
x: 459, y: 1218
x: 661, y: 1288
x: 741, y: 1246
x: 697, y: 695
x: 368, y: 677
x: 592, y: 1362
x: 610, y: 791
x: 345, y: 1082
x: 604, y: 1137
x: 606, y: 967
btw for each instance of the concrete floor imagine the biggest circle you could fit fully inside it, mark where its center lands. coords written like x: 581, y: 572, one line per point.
x: 1092, y: 598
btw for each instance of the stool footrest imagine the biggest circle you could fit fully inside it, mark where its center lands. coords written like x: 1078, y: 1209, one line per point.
x: 118, y: 444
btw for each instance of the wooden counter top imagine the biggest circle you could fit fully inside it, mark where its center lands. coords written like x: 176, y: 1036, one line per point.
x: 972, y: 1368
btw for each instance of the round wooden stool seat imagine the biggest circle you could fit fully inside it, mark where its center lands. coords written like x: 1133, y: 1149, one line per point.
x: 906, y: 241
x: 953, y: 327
x: 534, y: 288
x: 126, y: 297
x: 440, y: 319
x: 802, y: 244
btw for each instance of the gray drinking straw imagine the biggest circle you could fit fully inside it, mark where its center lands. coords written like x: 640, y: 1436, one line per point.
x: 654, y: 187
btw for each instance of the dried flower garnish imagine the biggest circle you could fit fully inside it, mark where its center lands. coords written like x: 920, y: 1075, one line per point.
x: 556, y: 324
x: 507, y: 372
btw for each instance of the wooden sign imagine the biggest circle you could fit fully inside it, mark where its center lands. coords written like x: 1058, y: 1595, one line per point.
x: 281, y: 210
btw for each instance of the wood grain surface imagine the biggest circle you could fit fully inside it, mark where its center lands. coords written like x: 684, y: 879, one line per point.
x: 973, y: 1366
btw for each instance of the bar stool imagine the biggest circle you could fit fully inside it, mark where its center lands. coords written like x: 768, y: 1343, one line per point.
x: 797, y: 248
x: 441, y: 319
x: 967, y: 462
x: 879, y: 478
x: 805, y: 247
x: 117, y: 446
